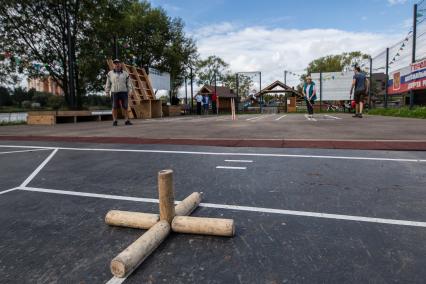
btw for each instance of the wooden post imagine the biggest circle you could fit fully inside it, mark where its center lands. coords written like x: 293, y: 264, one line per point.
x: 145, y: 220
x: 189, y: 204
x: 129, y: 259
x: 166, y: 195
x: 131, y: 219
x: 203, y: 226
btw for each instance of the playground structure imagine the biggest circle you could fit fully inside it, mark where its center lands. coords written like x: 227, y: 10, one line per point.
x: 142, y: 102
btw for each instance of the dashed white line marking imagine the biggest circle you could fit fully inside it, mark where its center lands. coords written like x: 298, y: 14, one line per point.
x: 116, y: 280
x: 240, y: 208
x: 335, y: 117
x: 281, y: 117
x: 253, y: 118
x: 231, y: 168
x: 239, y: 161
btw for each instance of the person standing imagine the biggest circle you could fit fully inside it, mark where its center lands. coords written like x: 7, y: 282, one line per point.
x: 199, y: 100
x: 118, y: 86
x: 214, y: 104
x: 310, y: 93
x: 360, y: 84
x: 206, y: 104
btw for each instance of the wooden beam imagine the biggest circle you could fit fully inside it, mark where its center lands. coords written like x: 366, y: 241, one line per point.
x: 166, y: 195
x: 129, y: 259
x: 204, y: 226
x: 131, y: 219
x: 186, y: 206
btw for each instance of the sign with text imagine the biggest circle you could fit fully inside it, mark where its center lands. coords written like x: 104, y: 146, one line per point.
x: 412, y: 77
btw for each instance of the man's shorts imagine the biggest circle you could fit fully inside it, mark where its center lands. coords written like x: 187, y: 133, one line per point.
x: 120, y: 100
x: 359, y: 96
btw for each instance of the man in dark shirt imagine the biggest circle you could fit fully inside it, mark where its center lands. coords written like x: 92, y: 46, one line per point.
x: 360, y: 84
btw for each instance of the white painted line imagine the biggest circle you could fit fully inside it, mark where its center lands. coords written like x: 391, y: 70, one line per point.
x: 253, y: 118
x: 39, y: 168
x: 240, y: 208
x: 239, y: 161
x: 116, y: 280
x: 316, y: 215
x: 23, y: 151
x: 234, y: 154
x: 307, y: 117
x: 335, y: 117
x: 281, y: 117
x: 231, y: 168
x: 87, y: 194
x: 9, y: 190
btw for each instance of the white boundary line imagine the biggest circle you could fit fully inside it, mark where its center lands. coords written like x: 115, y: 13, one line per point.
x: 23, y: 151
x: 233, y: 154
x: 281, y: 117
x: 240, y: 208
x: 9, y: 190
x: 239, y: 161
x: 335, y: 117
x: 39, y: 168
x: 231, y: 168
x: 253, y: 118
x: 116, y: 280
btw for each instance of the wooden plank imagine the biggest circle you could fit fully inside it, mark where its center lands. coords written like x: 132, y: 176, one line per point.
x: 41, y: 119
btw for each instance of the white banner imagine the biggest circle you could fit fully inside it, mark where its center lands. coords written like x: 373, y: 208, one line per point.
x: 336, y: 86
x: 159, y: 81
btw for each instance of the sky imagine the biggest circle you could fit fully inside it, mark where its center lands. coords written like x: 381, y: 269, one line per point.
x: 273, y: 36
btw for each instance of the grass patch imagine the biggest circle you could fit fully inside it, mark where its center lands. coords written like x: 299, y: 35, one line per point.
x: 417, y: 112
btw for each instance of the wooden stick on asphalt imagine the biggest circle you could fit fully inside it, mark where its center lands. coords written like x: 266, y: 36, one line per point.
x: 186, y: 206
x: 131, y: 219
x: 203, y: 226
x: 129, y: 259
x: 145, y: 220
x: 166, y: 195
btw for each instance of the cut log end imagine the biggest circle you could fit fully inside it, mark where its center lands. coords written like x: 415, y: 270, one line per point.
x: 118, y: 268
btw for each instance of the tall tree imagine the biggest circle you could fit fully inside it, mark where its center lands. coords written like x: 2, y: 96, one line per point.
x: 244, y: 83
x: 211, y: 68
x: 335, y: 63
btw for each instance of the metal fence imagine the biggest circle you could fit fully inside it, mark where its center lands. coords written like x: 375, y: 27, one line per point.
x: 398, y: 57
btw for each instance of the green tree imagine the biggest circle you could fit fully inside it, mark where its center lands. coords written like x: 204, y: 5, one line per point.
x: 206, y: 70
x: 335, y: 63
x: 244, y: 83
x: 5, y: 98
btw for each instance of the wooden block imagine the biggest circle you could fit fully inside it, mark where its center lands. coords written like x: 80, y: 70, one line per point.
x: 166, y: 195
x: 129, y: 259
x: 41, y: 119
x: 203, y: 226
x: 186, y: 206
x: 131, y: 219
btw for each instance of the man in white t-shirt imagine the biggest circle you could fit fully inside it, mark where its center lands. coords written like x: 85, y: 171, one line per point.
x: 199, y: 99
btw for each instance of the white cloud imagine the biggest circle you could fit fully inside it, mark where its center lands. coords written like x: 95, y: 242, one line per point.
x: 273, y: 50
x: 396, y: 2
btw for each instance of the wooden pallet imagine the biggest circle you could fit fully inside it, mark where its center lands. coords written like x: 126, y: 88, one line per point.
x: 142, y: 92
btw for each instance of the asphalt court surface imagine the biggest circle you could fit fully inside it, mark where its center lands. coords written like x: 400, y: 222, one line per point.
x: 289, y: 206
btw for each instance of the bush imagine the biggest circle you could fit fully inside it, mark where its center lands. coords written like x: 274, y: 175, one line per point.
x: 56, y: 102
x: 26, y: 104
x: 41, y: 98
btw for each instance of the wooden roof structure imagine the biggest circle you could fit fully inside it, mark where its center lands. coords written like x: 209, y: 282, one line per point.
x: 283, y: 89
x: 221, y: 91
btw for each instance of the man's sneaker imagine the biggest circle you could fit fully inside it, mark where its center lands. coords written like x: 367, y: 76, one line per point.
x: 128, y: 122
x: 355, y: 115
x: 115, y: 123
x: 360, y: 115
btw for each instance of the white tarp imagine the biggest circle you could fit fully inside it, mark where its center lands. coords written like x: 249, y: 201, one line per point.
x: 159, y: 81
x: 335, y: 85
